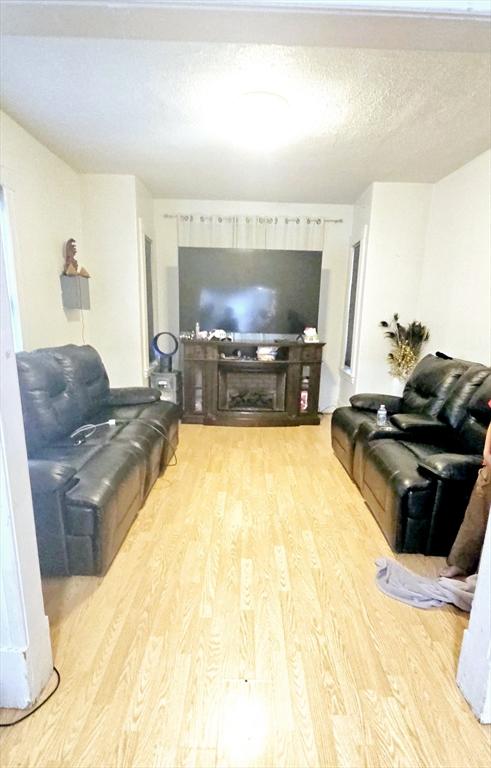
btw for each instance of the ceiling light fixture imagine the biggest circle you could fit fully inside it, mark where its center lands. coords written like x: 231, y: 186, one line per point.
x: 261, y: 121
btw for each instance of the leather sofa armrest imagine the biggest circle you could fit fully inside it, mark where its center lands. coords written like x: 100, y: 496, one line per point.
x: 372, y: 401
x: 133, y: 395
x: 452, y: 466
x: 420, y: 424
x: 51, y: 476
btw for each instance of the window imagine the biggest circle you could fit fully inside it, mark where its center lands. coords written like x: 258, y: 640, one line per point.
x: 355, y: 271
x: 149, y: 285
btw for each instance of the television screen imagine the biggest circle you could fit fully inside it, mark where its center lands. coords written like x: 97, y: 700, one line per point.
x: 249, y: 291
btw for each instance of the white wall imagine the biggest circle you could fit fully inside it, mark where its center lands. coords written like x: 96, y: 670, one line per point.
x: 334, y: 269
x: 111, y: 245
x: 362, y: 212
x: 45, y: 208
x: 455, y: 299
x: 144, y: 208
x: 427, y: 257
x: 395, y: 217
x: 47, y: 202
x: 145, y: 224
x: 395, y: 253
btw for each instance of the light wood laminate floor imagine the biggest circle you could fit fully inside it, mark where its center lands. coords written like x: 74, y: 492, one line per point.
x: 240, y: 626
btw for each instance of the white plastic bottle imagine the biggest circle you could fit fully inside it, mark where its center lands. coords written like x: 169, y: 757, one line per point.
x: 382, y: 416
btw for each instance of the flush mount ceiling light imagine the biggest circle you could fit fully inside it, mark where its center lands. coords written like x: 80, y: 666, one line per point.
x: 261, y: 121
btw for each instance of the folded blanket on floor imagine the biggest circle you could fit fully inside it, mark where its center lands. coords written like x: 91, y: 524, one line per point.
x: 420, y: 591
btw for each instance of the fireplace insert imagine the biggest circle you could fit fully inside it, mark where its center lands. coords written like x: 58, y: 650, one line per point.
x: 251, y: 390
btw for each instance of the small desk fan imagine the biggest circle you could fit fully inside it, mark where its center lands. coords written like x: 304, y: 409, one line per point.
x: 165, y: 346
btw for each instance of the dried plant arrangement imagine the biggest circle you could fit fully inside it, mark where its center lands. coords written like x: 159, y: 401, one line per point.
x: 406, y: 343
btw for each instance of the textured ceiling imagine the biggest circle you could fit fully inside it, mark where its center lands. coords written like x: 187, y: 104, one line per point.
x: 160, y: 109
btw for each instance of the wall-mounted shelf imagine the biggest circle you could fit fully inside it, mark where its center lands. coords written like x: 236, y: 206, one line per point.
x: 75, y: 292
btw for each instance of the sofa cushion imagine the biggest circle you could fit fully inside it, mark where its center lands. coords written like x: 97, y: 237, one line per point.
x: 451, y: 466
x: 472, y: 431
x: 104, y: 502
x: 145, y: 423
x: 146, y: 440
x: 345, y: 424
x: 429, y: 384
x: 372, y: 401
x: 368, y: 430
x: 132, y: 395
x: 161, y: 414
x: 455, y: 407
x: 421, y: 426
x: 82, y: 366
x: 398, y: 496
x: 75, y: 456
x: 51, y: 404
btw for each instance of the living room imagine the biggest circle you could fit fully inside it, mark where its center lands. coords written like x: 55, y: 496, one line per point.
x: 115, y: 131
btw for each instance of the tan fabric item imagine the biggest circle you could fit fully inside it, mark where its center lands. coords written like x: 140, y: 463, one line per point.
x: 467, y: 547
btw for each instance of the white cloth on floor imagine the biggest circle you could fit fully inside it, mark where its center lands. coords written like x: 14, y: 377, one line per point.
x: 421, y: 591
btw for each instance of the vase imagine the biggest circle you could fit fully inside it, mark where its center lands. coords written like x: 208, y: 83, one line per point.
x: 397, y: 386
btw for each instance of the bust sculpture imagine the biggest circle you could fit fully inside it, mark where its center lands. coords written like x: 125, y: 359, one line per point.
x: 71, y: 263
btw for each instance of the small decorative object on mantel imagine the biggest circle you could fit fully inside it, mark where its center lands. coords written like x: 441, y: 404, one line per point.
x: 406, y: 342
x: 266, y: 353
x: 218, y: 334
x: 71, y: 264
x: 310, y: 335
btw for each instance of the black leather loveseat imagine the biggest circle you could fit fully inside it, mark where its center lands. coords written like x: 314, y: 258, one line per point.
x: 88, y: 489
x: 416, y: 474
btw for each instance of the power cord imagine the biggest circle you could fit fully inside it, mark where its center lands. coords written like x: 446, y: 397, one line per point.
x: 87, y: 430
x: 162, y: 432
x: 83, y: 326
x: 33, y: 711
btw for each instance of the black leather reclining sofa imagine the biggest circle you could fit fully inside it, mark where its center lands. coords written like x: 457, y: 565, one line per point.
x: 87, y: 491
x: 417, y: 473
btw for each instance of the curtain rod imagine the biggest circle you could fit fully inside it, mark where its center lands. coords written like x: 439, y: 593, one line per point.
x: 265, y: 219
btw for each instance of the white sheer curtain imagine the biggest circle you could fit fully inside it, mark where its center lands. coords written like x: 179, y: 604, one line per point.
x: 200, y: 231
x: 265, y: 232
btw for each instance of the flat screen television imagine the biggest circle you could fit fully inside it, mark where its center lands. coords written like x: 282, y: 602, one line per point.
x: 249, y: 291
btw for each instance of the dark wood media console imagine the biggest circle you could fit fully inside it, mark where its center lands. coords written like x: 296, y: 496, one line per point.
x: 225, y: 384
